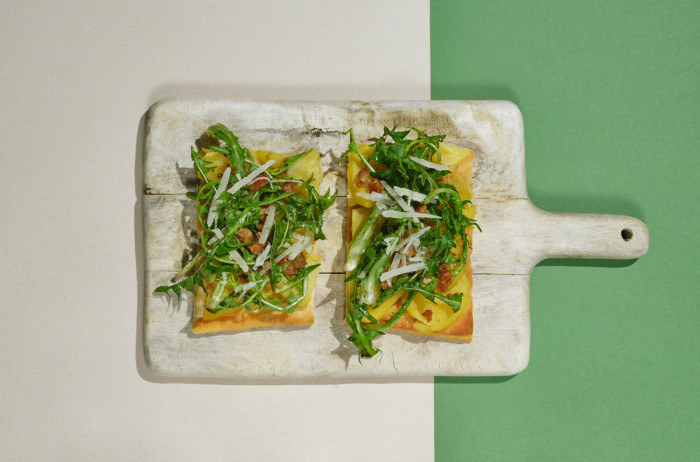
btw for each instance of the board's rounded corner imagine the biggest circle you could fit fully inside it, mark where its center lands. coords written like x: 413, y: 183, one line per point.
x: 149, y: 368
x: 521, y: 365
x: 158, y: 106
x: 514, y: 108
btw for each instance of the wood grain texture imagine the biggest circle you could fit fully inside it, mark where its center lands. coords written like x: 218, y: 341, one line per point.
x: 516, y: 235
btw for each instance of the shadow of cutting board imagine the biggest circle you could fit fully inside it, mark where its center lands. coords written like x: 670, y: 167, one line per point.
x: 516, y: 236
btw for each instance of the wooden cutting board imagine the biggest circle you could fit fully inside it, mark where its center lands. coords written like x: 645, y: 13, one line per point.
x: 516, y: 236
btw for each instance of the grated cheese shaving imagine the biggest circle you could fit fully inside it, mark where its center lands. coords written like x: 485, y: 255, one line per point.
x: 250, y: 177
x: 263, y: 256
x: 235, y: 256
x: 376, y: 197
x: 421, y: 255
x: 412, y: 239
x: 218, y: 233
x: 413, y: 195
x: 269, y: 221
x: 223, y: 183
x: 397, y: 214
x: 297, y: 250
x: 212, y: 216
x: 243, y: 288
x: 426, y: 163
x: 390, y: 244
x: 294, y: 250
x: 395, y: 262
x: 403, y: 270
x: 397, y: 197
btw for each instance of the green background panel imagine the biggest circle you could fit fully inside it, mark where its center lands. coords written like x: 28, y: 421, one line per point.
x: 609, y: 96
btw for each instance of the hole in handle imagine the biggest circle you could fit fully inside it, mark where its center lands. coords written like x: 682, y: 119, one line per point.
x: 626, y: 234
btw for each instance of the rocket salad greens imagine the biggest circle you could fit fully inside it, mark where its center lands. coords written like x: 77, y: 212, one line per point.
x: 255, y: 223
x: 415, y: 238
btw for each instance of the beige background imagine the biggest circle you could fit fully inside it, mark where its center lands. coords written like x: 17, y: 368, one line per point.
x: 76, y: 79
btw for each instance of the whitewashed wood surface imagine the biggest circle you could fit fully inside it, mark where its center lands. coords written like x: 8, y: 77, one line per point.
x: 516, y: 236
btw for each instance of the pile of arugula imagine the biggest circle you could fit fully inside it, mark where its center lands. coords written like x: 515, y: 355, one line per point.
x: 368, y: 257
x: 302, y: 208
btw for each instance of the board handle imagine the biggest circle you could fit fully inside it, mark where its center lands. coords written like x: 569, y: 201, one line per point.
x: 583, y: 235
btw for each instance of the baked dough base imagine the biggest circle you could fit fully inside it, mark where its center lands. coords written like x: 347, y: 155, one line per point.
x: 204, y: 322
x: 460, y: 161
x: 244, y: 319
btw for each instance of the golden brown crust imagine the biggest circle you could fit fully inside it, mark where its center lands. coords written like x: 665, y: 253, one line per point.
x: 463, y: 328
x: 243, y: 319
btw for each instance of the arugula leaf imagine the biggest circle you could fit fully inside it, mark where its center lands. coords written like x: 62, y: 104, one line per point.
x: 288, y: 162
x: 234, y: 152
x: 353, y: 148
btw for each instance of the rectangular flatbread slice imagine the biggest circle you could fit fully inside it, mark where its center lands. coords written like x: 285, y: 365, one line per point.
x: 204, y: 321
x: 259, y: 214
x: 422, y: 317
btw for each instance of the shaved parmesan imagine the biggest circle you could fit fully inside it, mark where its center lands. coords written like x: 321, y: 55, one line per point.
x: 269, y: 221
x: 243, y: 288
x: 390, y: 244
x: 263, y: 256
x: 396, y: 214
x: 265, y: 268
x: 223, y: 183
x: 251, y: 177
x: 394, y: 264
x: 395, y: 261
x: 235, y: 256
x: 217, y: 232
x: 402, y: 203
x: 294, y: 250
x: 412, y: 239
x: 376, y: 197
x: 212, y: 215
x: 297, y: 250
x: 428, y: 164
x: 403, y: 270
x: 413, y: 195
x: 421, y: 255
